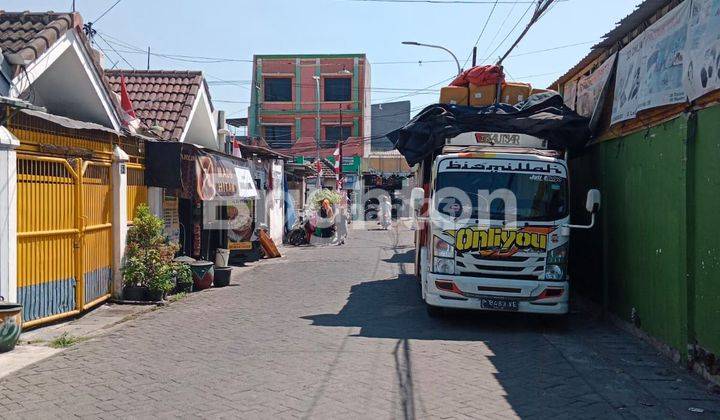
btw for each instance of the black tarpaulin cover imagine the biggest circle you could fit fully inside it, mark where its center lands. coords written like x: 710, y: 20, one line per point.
x: 543, y: 115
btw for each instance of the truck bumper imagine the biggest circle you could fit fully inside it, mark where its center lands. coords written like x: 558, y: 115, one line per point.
x: 468, y: 292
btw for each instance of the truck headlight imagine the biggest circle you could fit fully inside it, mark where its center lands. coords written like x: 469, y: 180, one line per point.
x: 558, y: 255
x: 443, y: 265
x: 554, y: 272
x: 442, y: 248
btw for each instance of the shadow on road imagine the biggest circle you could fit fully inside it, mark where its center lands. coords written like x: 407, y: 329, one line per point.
x: 405, y: 257
x: 393, y: 308
x: 534, y: 374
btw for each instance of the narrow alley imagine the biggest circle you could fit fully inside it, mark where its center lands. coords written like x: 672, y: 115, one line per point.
x: 341, y: 332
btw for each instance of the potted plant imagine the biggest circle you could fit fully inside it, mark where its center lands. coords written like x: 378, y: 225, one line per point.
x: 10, y: 324
x: 183, y: 277
x: 148, y: 269
x: 161, y: 284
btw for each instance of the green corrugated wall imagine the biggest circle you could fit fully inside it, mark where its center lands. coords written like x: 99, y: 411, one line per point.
x: 705, y: 232
x: 656, y: 243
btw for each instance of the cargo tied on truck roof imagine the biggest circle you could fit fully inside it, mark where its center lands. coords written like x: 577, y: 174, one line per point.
x: 542, y: 115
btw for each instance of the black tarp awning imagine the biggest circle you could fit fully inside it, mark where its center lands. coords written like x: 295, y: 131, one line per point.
x: 197, y: 172
x: 542, y: 115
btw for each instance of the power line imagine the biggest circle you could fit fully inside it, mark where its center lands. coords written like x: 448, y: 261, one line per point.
x: 443, y: 1
x: 114, y: 50
x: 114, y: 63
x: 502, y: 25
x: 426, y: 88
x: 509, y: 33
x: 106, y: 11
x: 540, y: 10
x: 213, y: 60
x: 482, y: 31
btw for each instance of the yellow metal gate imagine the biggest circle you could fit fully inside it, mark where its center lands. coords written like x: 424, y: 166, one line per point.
x: 137, y: 192
x: 64, y: 236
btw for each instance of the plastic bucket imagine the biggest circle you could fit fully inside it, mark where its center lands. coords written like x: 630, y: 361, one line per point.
x: 222, y: 257
x: 222, y: 276
x: 10, y: 325
x: 202, y: 274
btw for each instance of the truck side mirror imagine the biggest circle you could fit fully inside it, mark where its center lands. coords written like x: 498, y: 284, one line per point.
x: 592, y: 203
x: 417, y: 195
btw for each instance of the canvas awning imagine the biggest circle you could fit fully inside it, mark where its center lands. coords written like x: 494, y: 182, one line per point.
x: 198, y: 173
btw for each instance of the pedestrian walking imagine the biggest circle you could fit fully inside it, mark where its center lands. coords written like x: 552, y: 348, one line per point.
x: 385, y: 212
x: 341, y: 225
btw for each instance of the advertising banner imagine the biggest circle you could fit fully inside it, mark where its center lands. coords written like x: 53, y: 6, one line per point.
x: 650, y: 67
x: 590, y: 88
x: 210, y: 176
x: 569, y: 93
x: 171, y: 218
x: 240, y: 216
x: 702, y: 49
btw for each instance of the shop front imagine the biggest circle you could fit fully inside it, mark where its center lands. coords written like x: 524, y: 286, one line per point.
x: 209, y: 197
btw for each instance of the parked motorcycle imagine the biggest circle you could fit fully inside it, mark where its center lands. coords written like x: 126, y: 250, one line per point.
x: 300, y: 232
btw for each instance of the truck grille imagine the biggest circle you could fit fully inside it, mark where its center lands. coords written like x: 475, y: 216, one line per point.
x: 521, y: 266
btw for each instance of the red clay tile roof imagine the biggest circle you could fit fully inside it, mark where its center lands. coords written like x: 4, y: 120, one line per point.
x: 30, y: 34
x: 161, y: 97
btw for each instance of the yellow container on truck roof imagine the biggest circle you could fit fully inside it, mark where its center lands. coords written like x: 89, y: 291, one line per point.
x: 454, y: 95
x: 482, y: 95
x: 514, y: 92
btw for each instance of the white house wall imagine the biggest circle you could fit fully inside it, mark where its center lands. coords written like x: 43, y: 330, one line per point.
x: 201, y: 129
x: 64, y: 80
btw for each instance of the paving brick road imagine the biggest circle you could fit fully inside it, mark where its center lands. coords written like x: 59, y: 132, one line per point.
x: 339, y: 332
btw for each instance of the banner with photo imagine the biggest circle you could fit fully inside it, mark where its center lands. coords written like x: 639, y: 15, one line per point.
x: 702, y: 49
x: 590, y: 88
x: 650, y: 67
x: 569, y: 91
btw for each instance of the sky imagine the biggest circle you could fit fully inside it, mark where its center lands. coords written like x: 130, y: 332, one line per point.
x: 180, y: 32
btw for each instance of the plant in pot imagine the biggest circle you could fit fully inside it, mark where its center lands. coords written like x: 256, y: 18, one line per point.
x: 161, y: 283
x: 183, y: 277
x: 148, y: 270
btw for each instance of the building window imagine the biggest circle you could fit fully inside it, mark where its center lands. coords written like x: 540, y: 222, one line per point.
x: 337, y: 89
x: 333, y: 133
x: 278, y: 136
x: 278, y: 89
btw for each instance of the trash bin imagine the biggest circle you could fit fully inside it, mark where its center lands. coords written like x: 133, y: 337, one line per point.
x: 10, y: 325
x: 222, y: 276
x: 222, y: 257
x: 202, y: 273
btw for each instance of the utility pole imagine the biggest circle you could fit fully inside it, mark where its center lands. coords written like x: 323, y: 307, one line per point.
x: 256, y: 125
x: 148, y: 60
x: 317, y: 130
x: 474, y: 55
x: 340, y: 143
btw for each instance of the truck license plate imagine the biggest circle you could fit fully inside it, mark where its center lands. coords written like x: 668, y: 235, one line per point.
x: 499, y: 304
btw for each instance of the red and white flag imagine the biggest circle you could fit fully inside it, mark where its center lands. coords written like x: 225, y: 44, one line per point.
x: 129, y: 118
x: 337, y: 155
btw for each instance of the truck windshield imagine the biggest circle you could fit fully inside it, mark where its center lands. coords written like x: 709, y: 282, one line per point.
x: 537, y: 197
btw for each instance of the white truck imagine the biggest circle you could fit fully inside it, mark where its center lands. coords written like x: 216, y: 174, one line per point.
x: 494, y: 225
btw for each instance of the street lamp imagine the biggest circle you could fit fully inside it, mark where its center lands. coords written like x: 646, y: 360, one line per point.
x: 419, y: 44
x: 317, y: 130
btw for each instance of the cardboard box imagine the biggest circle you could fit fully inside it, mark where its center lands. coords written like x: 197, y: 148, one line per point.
x: 514, y: 92
x: 454, y: 95
x: 482, y: 95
